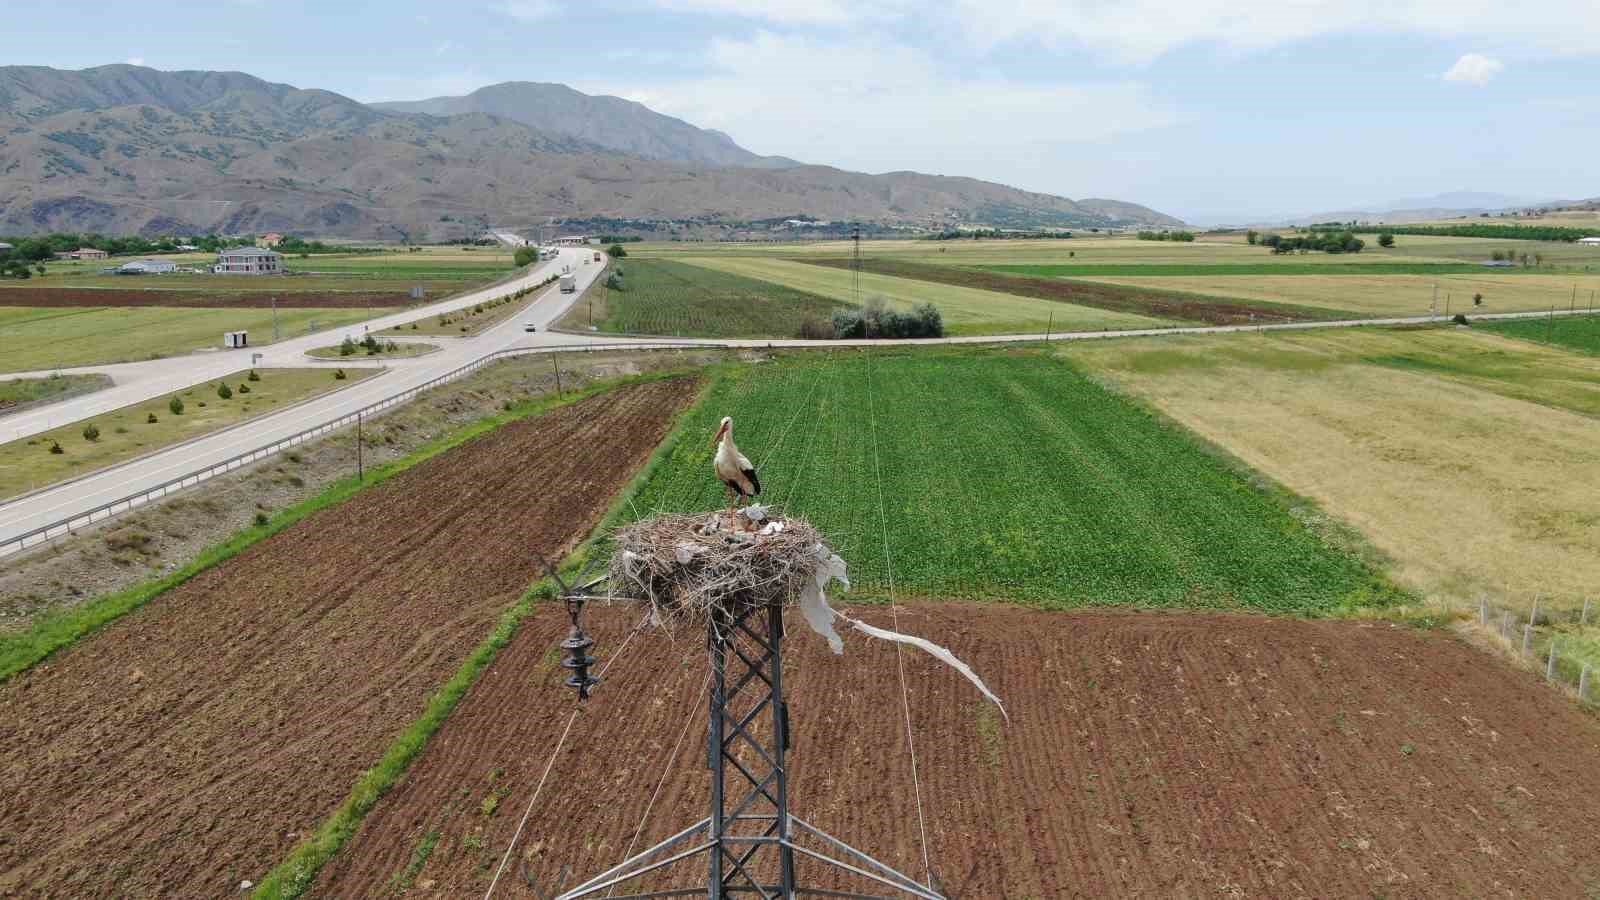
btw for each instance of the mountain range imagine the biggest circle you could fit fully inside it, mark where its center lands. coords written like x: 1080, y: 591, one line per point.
x: 1451, y: 204
x: 122, y: 149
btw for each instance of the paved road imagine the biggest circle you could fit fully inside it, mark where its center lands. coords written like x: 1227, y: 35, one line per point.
x: 139, y: 381
x: 157, y: 377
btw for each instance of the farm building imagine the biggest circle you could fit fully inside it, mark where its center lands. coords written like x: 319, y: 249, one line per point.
x: 572, y: 240
x: 146, y: 267
x: 83, y: 253
x: 5, y: 247
x: 270, y: 239
x: 1590, y: 241
x: 248, y: 261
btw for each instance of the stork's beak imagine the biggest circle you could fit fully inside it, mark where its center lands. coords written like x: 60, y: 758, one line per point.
x: 721, y: 430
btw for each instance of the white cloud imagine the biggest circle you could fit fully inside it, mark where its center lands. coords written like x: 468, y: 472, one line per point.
x: 862, y: 104
x: 135, y: 60
x: 1475, y: 69
x: 783, y: 12
x: 529, y: 10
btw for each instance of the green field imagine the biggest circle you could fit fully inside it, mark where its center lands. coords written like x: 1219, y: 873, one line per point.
x: 966, y: 310
x: 1388, y: 295
x: 1060, y: 270
x: 1006, y: 474
x: 127, y: 432
x: 663, y: 297
x: 24, y: 391
x: 1581, y: 333
x: 33, y: 338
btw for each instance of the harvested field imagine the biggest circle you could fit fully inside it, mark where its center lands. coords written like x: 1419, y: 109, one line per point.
x: 1155, y: 755
x: 287, y: 299
x: 1390, y: 295
x: 1146, y: 301
x: 189, y: 745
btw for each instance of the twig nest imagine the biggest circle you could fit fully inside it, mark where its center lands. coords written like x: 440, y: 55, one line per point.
x: 689, y: 566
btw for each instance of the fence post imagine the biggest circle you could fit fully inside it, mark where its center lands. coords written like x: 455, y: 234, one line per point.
x: 1534, y: 616
x: 1583, y: 682
x: 1505, y: 625
x: 1483, y: 610
x: 1527, y: 637
x: 1584, y: 619
x: 1550, y: 664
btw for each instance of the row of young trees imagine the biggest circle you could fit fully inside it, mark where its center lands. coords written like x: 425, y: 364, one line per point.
x: 1511, y: 232
x: 1182, y: 236
x: 1324, y: 240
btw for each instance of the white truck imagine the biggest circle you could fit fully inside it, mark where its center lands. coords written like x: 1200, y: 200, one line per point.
x: 569, y: 284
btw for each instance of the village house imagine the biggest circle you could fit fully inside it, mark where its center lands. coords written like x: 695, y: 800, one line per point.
x: 248, y: 261
x: 83, y: 253
x: 270, y: 239
x: 146, y: 267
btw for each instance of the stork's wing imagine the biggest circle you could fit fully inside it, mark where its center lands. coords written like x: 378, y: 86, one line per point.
x: 755, y: 482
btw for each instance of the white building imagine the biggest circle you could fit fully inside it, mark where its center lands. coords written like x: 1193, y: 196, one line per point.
x: 248, y: 261
x: 147, y: 267
x: 572, y: 240
x: 4, y: 247
x: 1590, y: 241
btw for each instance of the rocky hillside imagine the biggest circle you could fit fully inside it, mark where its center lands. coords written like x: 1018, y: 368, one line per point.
x: 125, y: 149
x: 611, y: 122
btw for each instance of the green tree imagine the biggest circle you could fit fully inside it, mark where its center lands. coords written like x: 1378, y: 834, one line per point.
x: 224, y: 392
x: 175, y: 405
x: 1385, y: 239
x: 525, y: 255
x: 1251, y: 236
x: 91, y: 433
x: 616, y: 251
x: 347, y: 347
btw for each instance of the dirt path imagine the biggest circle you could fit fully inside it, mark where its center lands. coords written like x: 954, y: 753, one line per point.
x: 188, y: 746
x: 1154, y: 755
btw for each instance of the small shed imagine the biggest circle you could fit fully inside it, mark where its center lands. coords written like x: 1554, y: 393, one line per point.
x: 147, y: 267
x: 232, y: 339
x: 1590, y: 241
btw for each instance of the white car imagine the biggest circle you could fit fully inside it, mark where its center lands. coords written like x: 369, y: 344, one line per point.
x: 529, y: 326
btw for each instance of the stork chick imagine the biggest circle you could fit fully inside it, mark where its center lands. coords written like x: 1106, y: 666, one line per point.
x: 735, y: 472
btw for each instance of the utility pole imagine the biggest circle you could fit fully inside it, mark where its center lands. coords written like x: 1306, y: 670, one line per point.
x: 1550, y: 332
x: 554, y: 361
x: 361, y: 473
x: 1050, y: 326
x: 275, y: 336
x: 855, y: 265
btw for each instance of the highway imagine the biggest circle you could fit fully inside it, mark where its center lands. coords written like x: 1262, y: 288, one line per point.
x: 139, y: 381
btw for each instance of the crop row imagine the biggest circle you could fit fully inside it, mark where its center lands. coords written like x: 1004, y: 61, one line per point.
x: 1008, y: 475
x: 673, y: 298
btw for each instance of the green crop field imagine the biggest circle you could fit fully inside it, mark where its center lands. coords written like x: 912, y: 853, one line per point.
x: 663, y: 297
x: 966, y: 310
x: 1006, y: 474
x: 1580, y: 333
x: 17, y: 392
x: 34, y: 338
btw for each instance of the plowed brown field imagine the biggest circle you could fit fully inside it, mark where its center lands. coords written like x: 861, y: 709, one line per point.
x: 188, y: 746
x: 1153, y: 755
x: 288, y: 299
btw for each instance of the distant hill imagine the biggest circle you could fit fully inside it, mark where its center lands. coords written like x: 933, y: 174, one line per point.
x: 122, y: 149
x: 610, y: 122
x: 1452, y: 204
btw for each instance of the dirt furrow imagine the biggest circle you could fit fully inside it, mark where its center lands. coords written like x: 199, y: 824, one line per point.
x: 1148, y: 755
x: 190, y: 745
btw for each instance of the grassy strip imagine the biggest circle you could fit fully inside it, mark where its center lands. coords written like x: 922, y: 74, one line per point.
x: 292, y: 877
x: 1581, y: 333
x: 1059, y: 270
x: 52, y: 633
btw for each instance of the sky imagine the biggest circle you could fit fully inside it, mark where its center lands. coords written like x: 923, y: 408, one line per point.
x: 1211, y: 110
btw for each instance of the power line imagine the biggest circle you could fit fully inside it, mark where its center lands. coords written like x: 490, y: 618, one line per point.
x: 551, y: 764
x: 899, y: 655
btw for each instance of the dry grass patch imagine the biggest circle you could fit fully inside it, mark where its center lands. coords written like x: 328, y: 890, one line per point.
x: 1466, y: 458
x: 1387, y: 295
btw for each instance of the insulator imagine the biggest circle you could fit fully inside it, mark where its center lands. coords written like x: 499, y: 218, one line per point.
x: 579, y: 661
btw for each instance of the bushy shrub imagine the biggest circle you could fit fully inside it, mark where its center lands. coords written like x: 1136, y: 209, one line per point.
x: 176, y: 406
x: 151, y: 419
x: 91, y: 432
x: 55, y: 447
x: 244, y: 388
x: 347, y: 347
x: 876, y: 320
x: 253, y: 376
x: 261, y: 518
x: 338, y: 375
x: 849, y: 324
x: 1460, y: 319
x: 814, y: 330
x: 224, y: 392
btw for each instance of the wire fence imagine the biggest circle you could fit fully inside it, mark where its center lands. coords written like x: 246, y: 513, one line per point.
x: 70, y: 524
x: 1550, y: 640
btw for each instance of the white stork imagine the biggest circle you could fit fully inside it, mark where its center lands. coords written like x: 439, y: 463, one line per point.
x: 733, y: 469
